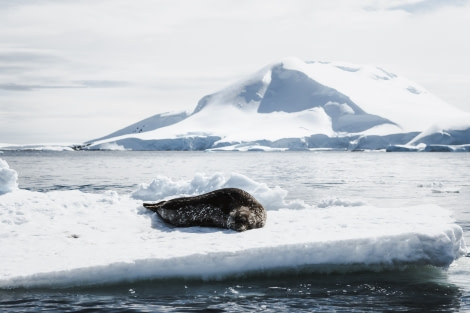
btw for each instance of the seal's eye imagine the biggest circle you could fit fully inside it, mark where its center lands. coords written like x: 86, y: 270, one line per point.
x: 241, y: 219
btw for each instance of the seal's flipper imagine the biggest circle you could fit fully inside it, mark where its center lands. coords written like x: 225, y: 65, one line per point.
x: 153, y: 206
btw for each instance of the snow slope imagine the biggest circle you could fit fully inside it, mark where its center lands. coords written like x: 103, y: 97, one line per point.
x: 71, y: 238
x: 289, y: 103
x: 149, y: 124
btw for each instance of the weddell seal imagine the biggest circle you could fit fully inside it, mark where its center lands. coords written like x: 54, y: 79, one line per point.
x: 230, y: 208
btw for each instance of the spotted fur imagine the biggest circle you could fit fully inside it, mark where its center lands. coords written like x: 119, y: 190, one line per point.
x: 230, y: 208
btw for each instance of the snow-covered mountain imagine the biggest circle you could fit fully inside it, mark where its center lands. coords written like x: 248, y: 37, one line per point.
x: 293, y: 104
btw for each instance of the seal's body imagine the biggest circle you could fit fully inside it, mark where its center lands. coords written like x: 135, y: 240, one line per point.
x: 230, y: 208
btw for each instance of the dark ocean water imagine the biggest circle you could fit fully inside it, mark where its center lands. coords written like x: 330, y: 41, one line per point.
x: 412, y: 290
x: 389, y: 179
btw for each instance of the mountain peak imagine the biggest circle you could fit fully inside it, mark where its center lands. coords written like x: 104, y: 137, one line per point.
x: 290, y: 90
x: 295, y: 101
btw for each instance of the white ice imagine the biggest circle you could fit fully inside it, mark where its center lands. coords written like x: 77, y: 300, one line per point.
x: 71, y: 238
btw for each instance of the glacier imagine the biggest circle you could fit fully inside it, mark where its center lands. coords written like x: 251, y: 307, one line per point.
x: 297, y: 105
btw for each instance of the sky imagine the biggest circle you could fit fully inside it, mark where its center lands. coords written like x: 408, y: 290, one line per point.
x: 75, y: 70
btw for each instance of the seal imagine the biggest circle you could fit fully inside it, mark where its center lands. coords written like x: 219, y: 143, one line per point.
x: 230, y: 208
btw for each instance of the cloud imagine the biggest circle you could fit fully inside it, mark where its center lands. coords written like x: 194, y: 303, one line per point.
x: 102, y: 83
x: 77, y: 84
x: 16, y: 87
x: 425, y: 6
x: 26, y: 70
x: 139, y: 58
x: 24, y: 56
x: 413, y: 6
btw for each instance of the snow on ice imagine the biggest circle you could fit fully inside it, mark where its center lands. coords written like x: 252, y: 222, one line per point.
x: 71, y: 238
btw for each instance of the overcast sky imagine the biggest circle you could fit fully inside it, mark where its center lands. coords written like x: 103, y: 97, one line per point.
x: 74, y: 70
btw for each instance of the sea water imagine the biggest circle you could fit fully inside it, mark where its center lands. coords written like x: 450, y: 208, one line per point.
x: 318, y: 178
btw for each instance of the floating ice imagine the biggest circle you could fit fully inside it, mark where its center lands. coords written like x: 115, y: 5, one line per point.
x: 71, y: 238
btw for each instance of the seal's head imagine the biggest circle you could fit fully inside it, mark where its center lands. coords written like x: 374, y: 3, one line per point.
x: 244, y: 219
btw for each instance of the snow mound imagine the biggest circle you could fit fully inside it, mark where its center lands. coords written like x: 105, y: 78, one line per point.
x: 8, y: 178
x: 163, y: 188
